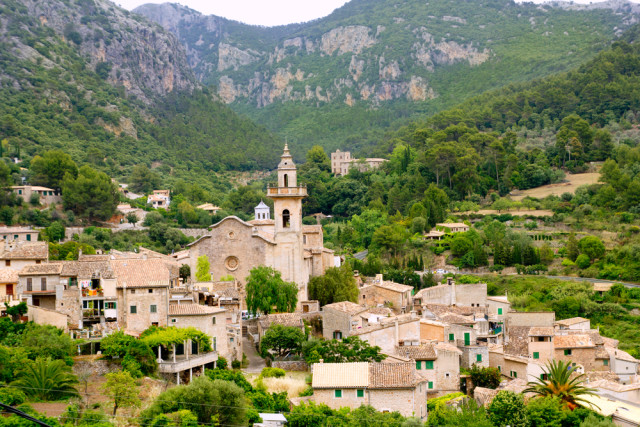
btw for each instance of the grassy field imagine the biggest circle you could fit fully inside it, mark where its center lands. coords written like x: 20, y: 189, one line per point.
x: 293, y: 383
x: 569, y: 185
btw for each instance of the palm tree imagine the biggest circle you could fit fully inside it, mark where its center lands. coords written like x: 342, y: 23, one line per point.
x: 560, y: 384
x: 47, y: 379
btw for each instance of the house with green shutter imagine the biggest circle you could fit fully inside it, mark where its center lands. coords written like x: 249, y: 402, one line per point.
x: 437, y: 363
x: 387, y: 387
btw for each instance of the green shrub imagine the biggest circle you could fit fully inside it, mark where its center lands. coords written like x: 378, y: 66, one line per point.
x: 272, y: 372
x: 568, y: 263
x: 235, y: 364
x: 583, y: 261
x: 432, y: 403
x: 12, y: 396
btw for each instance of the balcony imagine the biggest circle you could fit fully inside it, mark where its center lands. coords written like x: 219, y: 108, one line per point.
x: 92, y: 293
x: 182, y: 362
x: 299, y: 191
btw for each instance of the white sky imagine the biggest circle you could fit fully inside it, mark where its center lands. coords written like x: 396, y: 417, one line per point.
x: 263, y: 12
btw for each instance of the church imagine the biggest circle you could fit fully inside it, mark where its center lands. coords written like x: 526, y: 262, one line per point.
x: 297, y: 251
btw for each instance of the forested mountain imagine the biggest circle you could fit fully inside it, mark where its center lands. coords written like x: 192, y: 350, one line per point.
x: 115, y: 90
x: 341, y: 79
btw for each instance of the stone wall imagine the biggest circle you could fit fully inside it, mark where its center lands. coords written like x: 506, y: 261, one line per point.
x: 95, y: 366
x: 531, y: 318
x: 43, y: 316
x: 290, y: 365
x: 194, y: 232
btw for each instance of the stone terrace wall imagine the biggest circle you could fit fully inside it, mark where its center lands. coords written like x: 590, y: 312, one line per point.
x: 290, y: 365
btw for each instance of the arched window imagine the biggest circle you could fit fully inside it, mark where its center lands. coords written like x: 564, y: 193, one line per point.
x: 285, y: 218
x: 286, y: 180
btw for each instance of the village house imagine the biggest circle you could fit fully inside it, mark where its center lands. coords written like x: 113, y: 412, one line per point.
x: 387, y: 387
x: 437, y: 363
x: 452, y: 227
x: 37, y: 284
x: 391, y: 332
x: 623, y: 365
x: 342, y: 162
x: 513, y: 366
x: 629, y: 392
x: 453, y: 294
x: 541, y: 345
x: 380, y: 292
x: 340, y: 318
x: 574, y: 323
x: 45, y: 196
x: 234, y: 246
x: 18, y: 254
x: 24, y: 234
x: 159, y: 199
x: 8, y: 285
x: 208, y: 207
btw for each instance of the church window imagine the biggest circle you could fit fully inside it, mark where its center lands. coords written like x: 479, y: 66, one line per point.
x: 286, y: 180
x: 286, y: 218
x: 231, y: 263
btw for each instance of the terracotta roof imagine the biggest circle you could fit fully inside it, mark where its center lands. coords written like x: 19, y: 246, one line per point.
x: 340, y: 375
x: 614, y: 386
x: 518, y: 340
x: 394, y: 358
x: 573, y: 341
x: 610, y: 342
x: 438, y: 309
x: 312, y: 229
x: 40, y: 269
x: 502, y: 299
x: 262, y: 222
x: 27, y: 250
x: 393, y: 375
x: 541, y: 331
x: 484, y: 396
x: 395, y: 287
x: 141, y: 273
x: 456, y: 319
x: 385, y: 322
x: 417, y: 352
x: 284, y: 319
x: 572, y: 321
x: 380, y: 311
x: 8, y: 275
x: 84, y: 257
x: 621, y: 355
x: 351, y: 308
x: 451, y: 224
x: 17, y: 230
x: 87, y: 269
x: 443, y: 346
x: 433, y: 322
x: 193, y: 310
x: 602, y: 287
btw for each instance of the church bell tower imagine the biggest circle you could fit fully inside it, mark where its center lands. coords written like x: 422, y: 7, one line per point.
x: 287, y: 210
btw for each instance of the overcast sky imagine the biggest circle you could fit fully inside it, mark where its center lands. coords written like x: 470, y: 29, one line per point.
x: 261, y: 12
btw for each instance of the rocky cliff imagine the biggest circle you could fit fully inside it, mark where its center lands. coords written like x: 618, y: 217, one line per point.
x: 126, y: 49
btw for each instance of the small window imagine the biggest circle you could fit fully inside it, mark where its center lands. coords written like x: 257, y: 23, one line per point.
x: 286, y: 218
x: 452, y: 337
x: 606, y: 362
x: 43, y: 283
x: 174, y: 320
x: 428, y: 364
x: 430, y: 385
x: 110, y: 305
x: 567, y: 352
x: 304, y: 239
x: 418, y: 365
x: 215, y: 344
x: 359, y: 393
x: 536, y: 355
x: 133, y: 291
x: 29, y: 284
x: 337, y: 335
x: 133, y: 309
x: 499, y: 311
x: 15, y: 237
x: 337, y: 394
x: 7, y: 262
x: 154, y: 308
x: 213, y: 321
x: 478, y: 358
x: 150, y: 291
x: 515, y: 374
x: 28, y: 237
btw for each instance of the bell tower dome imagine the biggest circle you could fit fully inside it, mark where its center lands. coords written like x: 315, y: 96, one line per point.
x: 287, y: 172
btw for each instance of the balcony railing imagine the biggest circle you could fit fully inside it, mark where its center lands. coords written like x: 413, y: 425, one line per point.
x: 182, y: 363
x: 299, y: 191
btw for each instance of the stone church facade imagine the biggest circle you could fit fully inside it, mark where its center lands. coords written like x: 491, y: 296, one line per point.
x: 234, y: 246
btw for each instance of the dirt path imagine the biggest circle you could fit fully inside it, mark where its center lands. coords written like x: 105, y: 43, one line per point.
x: 256, y: 363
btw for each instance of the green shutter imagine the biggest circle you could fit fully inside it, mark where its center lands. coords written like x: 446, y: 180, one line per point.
x: 567, y: 352
x: 606, y: 362
x: 360, y: 393
x: 478, y: 358
x: 452, y: 337
x: 430, y: 385
x: 338, y: 393
x: 515, y: 374
x: 499, y: 368
x: 134, y: 309
x: 428, y: 364
x: 536, y: 355
x: 499, y: 311
x: 418, y: 364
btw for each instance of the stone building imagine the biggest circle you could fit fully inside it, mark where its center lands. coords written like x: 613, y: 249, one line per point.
x: 391, y: 332
x: 387, y: 387
x: 380, y: 292
x: 46, y: 196
x: 18, y: 254
x: 24, y: 234
x: 340, y: 319
x: 234, y: 246
x: 37, y: 284
x: 574, y: 324
x: 342, y: 162
x: 437, y: 363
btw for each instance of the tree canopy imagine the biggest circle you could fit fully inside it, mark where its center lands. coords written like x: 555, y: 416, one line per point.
x: 267, y: 292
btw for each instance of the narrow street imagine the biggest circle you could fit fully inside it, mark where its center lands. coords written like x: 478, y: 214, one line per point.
x: 256, y: 363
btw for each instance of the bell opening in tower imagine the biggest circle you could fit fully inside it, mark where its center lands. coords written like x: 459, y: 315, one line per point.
x: 285, y: 218
x: 286, y: 180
